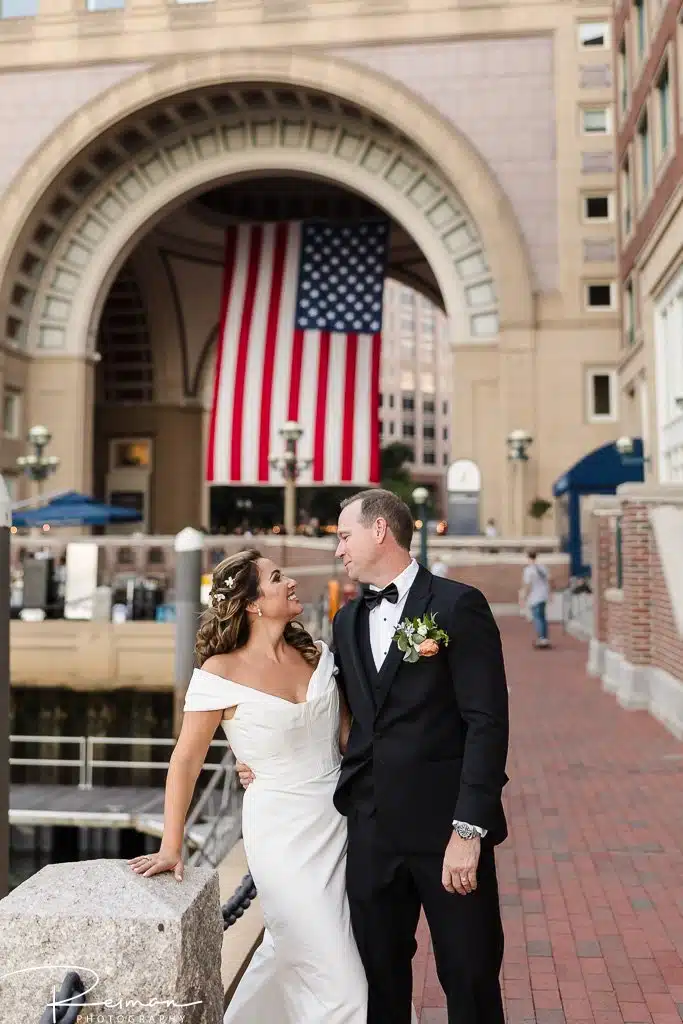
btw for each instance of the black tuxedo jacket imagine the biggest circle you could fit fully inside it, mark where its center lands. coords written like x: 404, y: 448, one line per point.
x: 430, y: 738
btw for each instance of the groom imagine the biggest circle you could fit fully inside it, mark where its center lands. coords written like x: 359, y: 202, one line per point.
x: 423, y: 772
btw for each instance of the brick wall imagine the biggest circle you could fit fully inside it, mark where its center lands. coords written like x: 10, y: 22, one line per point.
x: 637, y: 621
x: 666, y: 643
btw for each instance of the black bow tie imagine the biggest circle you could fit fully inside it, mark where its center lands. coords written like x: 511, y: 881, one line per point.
x: 373, y: 597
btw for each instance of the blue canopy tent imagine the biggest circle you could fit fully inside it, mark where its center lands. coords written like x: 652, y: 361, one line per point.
x: 599, y: 472
x: 73, y: 509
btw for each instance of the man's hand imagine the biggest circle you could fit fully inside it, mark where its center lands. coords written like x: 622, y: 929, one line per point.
x: 460, y: 864
x: 245, y: 774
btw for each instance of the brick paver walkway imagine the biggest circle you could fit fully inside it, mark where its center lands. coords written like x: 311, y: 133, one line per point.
x: 591, y: 877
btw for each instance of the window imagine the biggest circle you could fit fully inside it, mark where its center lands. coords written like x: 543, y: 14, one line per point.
x: 427, y: 323
x: 105, y: 5
x: 18, y: 8
x: 594, y: 35
x: 391, y: 429
x: 444, y: 407
x: 601, y: 395
x: 410, y: 453
x: 11, y: 413
x: 381, y: 399
x: 428, y: 406
x: 429, y: 459
x: 641, y: 27
x: 626, y: 198
x: 597, y: 207
x: 445, y: 458
x: 645, y: 156
x: 595, y: 121
x: 427, y: 383
x: 664, y: 106
x: 391, y: 401
x: 428, y: 433
x: 381, y: 426
x: 408, y: 403
x: 668, y: 324
x: 623, y: 73
x: 629, y: 313
x: 409, y: 430
x: 600, y: 295
x: 445, y: 433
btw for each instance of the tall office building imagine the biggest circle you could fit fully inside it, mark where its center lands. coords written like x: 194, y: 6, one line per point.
x: 417, y: 381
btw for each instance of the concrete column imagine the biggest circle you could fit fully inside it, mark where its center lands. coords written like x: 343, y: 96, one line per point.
x: 188, y: 581
x: 62, y: 396
x: 151, y: 939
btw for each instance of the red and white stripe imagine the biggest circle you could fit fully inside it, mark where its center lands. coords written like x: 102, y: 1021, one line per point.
x: 268, y: 372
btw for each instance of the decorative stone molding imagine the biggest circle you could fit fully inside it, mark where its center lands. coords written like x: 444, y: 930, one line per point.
x: 638, y: 687
x: 149, y: 144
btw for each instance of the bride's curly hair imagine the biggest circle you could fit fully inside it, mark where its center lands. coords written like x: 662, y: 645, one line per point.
x: 224, y: 626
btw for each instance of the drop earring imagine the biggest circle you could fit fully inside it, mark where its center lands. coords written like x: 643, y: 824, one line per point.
x: 260, y: 613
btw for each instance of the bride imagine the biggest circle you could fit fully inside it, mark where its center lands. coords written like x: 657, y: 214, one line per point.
x: 273, y: 689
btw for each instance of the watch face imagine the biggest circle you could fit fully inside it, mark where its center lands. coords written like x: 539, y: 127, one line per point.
x: 465, y: 831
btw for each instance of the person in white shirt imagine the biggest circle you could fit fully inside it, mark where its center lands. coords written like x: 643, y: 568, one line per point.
x: 535, y: 593
x: 423, y: 771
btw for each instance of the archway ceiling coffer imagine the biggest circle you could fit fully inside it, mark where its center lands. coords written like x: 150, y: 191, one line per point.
x: 118, y: 172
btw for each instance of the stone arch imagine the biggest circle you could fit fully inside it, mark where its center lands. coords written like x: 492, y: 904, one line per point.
x: 167, y: 133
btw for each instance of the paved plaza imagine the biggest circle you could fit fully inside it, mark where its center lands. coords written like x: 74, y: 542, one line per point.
x: 591, y: 877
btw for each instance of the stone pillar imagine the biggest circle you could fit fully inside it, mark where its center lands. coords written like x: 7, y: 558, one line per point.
x: 61, y: 395
x: 154, y: 944
x: 636, y: 561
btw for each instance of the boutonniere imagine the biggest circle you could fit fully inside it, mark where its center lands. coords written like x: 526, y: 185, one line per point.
x: 420, y: 638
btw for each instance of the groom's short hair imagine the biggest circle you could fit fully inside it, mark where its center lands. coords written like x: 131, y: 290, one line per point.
x: 379, y: 504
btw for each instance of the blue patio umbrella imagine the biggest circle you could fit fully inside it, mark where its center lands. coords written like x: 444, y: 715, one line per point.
x: 73, y: 509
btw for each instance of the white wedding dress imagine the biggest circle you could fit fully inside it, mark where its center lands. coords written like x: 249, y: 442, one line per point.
x: 307, y: 969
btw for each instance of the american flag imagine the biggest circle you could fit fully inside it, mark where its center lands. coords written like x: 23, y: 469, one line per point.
x: 300, y: 339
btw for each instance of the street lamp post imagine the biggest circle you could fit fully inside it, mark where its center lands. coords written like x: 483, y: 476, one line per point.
x: 290, y: 466
x: 421, y: 497
x: 518, y: 442
x: 38, y: 466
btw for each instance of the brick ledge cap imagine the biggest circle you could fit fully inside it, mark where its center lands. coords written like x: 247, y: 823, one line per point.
x: 670, y: 493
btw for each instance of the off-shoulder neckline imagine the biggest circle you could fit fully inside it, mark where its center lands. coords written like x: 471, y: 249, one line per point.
x: 264, y: 693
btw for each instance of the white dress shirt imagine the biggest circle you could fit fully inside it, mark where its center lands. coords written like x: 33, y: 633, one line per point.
x: 385, y: 617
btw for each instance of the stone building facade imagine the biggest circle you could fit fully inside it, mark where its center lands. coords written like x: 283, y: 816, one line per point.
x: 649, y: 50
x: 136, y: 129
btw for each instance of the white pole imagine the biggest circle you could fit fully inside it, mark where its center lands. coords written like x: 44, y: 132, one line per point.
x: 188, y: 583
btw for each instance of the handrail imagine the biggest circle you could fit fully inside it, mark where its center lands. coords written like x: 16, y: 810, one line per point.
x: 53, y: 761
x: 92, y: 762
x: 86, y: 762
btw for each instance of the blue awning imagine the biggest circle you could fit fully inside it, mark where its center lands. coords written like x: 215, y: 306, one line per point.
x: 73, y: 509
x: 602, y: 471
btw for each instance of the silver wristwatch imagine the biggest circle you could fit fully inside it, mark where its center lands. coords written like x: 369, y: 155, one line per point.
x: 466, y: 831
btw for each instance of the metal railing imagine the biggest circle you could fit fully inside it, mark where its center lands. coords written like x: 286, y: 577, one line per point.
x: 93, y: 762
x: 87, y: 763
x: 577, y: 607
x: 62, y: 762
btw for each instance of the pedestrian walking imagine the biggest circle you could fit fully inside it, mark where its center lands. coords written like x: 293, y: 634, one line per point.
x: 535, y: 594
